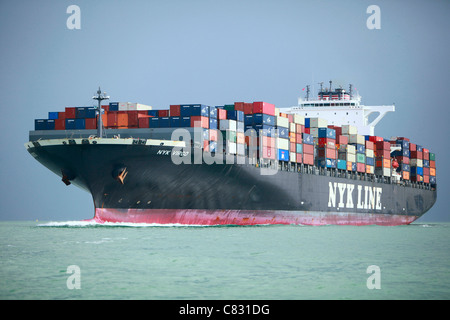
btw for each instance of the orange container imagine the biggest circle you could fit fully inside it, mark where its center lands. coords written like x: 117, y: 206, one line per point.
x: 122, y: 120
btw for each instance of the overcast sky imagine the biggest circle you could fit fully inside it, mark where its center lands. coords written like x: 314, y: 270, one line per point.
x: 213, y: 52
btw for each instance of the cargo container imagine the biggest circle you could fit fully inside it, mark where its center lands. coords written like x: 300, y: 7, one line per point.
x: 308, y: 139
x: 327, y: 133
x: 235, y: 115
x: 199, y: 121
x: 70, y: 112
x: 318, y: 123
x: 175, y: 110
x: 349, y: 129
x: 264, y: 107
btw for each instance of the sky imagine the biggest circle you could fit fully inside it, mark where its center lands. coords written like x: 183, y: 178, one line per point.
x: 213, y: 52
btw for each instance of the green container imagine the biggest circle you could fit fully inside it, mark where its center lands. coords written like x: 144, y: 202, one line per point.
x: 299, y: 148
x: 229, y: 107
x: 432, y: 157
x: 229, y: 135
x: 361, y: 158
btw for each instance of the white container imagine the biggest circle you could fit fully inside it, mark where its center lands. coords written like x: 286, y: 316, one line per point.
x: 292, y: 127
x: 227, y: 125
x: 231, y: 147
x: 357, y: 138
x: 140, y: 106
x: 123, y: 106
x: 348, y: 148
x: 283, y: 143
x: 369, y: 153
x: 282, y: 122
x: 240, y: 149
x: 383, y: 172
x: 292, y: 157
x: 314, y: 132
x: 318, y: 123
x: 349, y: 129
x: 299, y: 119
x: 416, y: 162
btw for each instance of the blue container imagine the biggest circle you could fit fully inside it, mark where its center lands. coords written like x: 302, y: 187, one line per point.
x: 308, y: 139
x: 153, y: 113
x: 419, y: 148
x: 426, y: 163
x: 261, y: 118
x: 307, y: 121
x: 174, y: 122
x: 194, y: 110
x: 404, y: 167
x: 283, y: 132
x: 185, y: 122
x: 164, y: 122
x: 326, y: 163
x: 248, y: 120
x: 51, y: 124
x: 342, y: 164
x: 70, y: 124
x: 405, y: 153
x: 212, y: 146
x: 370, y: 161
x: 154, y: 122
x: 40, y: 124
x: 91, y: 112
x: 213, y: 112
x: 354, y: 166
x: 53, y: 115
x: 432, y: 180
x: 80, y: 112
x: 283, y: 155
x: 80, y: 124
x: 113, y: 106
x: 360, y: 148
x: 327, y: 133
x: 212, y: 123
x: 403, y: 143
x: 264, y: 130
x: 417, y: 171
x: 235, y: 115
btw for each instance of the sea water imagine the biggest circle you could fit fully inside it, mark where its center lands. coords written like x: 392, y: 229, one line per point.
x: 87, y: 260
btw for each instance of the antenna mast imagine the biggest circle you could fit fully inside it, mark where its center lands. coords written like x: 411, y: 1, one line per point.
x: 99, y: 97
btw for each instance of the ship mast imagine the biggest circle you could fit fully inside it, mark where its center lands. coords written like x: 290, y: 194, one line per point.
x: 99, y: 98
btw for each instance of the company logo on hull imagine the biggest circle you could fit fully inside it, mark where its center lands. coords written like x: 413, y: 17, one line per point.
x: 342, y: 195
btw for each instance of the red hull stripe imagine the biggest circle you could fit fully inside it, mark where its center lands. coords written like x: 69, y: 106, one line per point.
x: 246, y: 217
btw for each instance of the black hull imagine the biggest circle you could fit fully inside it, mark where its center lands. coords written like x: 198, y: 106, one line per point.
x: 155, y: 190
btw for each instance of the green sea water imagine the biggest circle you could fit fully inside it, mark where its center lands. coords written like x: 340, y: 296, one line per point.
x: 227, y: 262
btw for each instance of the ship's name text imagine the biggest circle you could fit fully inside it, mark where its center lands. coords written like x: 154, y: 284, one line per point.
x: 340, y: 195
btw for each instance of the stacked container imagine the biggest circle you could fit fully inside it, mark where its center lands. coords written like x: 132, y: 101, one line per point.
x: 382, y: 158
x: 403, y: 157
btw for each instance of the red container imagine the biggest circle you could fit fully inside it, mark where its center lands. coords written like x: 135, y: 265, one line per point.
x: 90, y: 123
x: 122, y: 119
x: 163, y: 113
x: 308, y: 158
x: 60, y: 124
x: 307, y: 130
x: 327, y: 143
x: 113, y: 117
x: 268, y: 153
x: 342, y: 139
x: 426, y: 171
x: 298, y: 157
x: 360, y: 167
x: 61, y: 115
x: 308, y: 148
x: 268, y: 141
x: 432, y: 164
x: 426, y: 179
x: 221, y: 114
x: 144, y: 122
x: 376, y: 139
x: 404, y: 160
x: 416, y: 155
x: 417, y: 178
x: 174, y: 110
x: 248, y: 108
x: 382, y: 153
x: 71, y: 113
x: 264, y: 107
x: 239, y: 106
x: 403, y: 138
x: 299, y: 128
x: 213, y: 134
x: 298, y: 137
x: 383, y: 145
x: 106, y: 107
x: 199, y: 121
x: 412, y: 147
x: 337, y: 129
x: 292, y: 147
x: 327, y: 153
x: 133, y: 119
x: 426, y: 154
x: 369, y: 145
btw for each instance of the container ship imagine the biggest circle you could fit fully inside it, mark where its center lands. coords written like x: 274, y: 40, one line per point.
x: 245, y: 163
